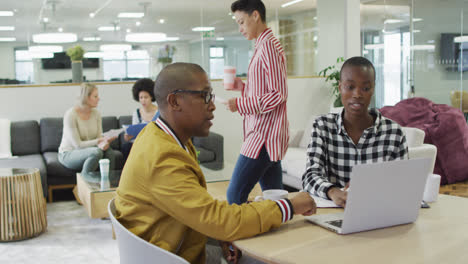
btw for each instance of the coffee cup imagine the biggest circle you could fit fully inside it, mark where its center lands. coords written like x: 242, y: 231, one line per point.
x: 272, y: 194
x: 229, y: 76
x: 104, y: 168
x: 431, y: 190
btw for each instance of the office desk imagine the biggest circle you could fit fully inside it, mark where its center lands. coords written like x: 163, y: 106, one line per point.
x: 439, y: 235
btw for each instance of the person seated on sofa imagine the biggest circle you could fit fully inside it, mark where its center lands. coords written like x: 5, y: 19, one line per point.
x: 356, y: 135
x: 143, y: 93
x: 162, y: 195
x: 82, y: 143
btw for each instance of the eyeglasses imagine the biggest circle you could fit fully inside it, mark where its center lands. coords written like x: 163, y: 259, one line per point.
x: 207, y: 95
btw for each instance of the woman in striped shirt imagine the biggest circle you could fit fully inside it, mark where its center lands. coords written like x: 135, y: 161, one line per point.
x: 262, y: 104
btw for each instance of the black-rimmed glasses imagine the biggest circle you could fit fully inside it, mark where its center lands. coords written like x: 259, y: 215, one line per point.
x: 207, y: 95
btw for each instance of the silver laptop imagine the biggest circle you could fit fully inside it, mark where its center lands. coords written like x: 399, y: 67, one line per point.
x: 380, y: 195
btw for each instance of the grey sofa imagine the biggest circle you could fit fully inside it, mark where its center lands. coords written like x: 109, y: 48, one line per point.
x: 35, y: 145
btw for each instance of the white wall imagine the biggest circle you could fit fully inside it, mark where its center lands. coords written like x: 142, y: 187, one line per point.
x: 7, y: 62
x: 307, y: 97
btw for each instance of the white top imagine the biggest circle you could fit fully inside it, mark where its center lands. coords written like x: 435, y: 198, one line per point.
x: 78, y: 133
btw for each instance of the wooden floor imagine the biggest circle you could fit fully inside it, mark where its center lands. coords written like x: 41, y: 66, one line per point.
x: 457, y: 189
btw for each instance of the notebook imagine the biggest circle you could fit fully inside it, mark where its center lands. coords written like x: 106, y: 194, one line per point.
x: 380, y: 195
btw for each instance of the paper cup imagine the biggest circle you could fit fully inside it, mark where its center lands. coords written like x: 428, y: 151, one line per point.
x: 229, y: 75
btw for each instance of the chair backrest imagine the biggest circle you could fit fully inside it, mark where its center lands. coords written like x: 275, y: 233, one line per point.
x: 133, y: 249
x: 458, y: 98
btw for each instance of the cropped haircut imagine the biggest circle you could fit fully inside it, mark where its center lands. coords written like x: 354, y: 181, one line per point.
x: 357, y: 61
x: 249, y: 6
x: 146, y: 85
x: 175, y: 76
x: 86, y: 90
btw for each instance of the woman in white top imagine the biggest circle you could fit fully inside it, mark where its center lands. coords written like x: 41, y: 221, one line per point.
x: 143, y: 92
x: 82, y: 143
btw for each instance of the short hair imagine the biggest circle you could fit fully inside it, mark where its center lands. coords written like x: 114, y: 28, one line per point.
x: 146, y: 85
x: 175, y: 76
x: 249, y: 6
x: 357, y: 61
x: 86, y: 90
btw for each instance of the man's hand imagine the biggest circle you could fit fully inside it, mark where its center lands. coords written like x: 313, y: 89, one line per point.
x: 231, y: 105
x: 238, y: 85
x: 338, y: 196
x: 230, y: 252
x: 303, y: 204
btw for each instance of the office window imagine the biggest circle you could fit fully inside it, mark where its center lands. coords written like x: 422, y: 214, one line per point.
x: 129, y: 64
x: 24, y: 67
x: 216, y: 62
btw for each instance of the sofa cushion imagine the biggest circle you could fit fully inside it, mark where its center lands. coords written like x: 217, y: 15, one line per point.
x: 28, y: 161
x: 414, y: 136
x: 108, y: 123
x: 305, y: 140
x: 57, y: 173
x: 205, y: 155
x: 51, y: 133
x: 25, y: 138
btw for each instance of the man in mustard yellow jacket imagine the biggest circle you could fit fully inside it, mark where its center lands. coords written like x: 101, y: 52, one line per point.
x: 162, y: 194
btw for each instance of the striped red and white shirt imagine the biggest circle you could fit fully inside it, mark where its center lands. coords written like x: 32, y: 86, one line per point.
x: 263, y: 101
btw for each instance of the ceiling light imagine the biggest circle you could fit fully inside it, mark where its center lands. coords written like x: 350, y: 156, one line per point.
x: 129, y: 30
x: 43, y: 49
x: 233, y: 17
x: 41, y: 55
x: 91, y: 39
x: 6, y: 39
x: 138, y: 23
x: 291, y: 3
x: 423, y: 47
x: 45, y: 19
x: 172, y: 38
x: 392, y: 21
x: 130, y: 15
x: 220, y: 39
x: 108, y: 28
x: 60, y: 29
x: 6, y: 13
x: 145, y: 37
x: 417, y: 19
x: 373, y: 46
x: 115, y: 47
x: 416, y: 30
x: 7, y: 28
x: 460, y: 39
x: 93, y: 54
x: 54, y: 38
x: 161, y: 21
x: 202, y: 29
x: 91, y: 15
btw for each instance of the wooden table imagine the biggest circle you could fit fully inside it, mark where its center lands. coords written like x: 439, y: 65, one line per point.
x: 23, y: 212
x: 440, y: 235
x: 92, y: 197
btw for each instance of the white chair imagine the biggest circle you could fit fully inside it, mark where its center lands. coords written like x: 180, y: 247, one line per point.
x: 133, y: 249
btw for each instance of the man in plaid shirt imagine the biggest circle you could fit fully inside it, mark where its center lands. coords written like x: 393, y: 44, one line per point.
x: 356, y: 135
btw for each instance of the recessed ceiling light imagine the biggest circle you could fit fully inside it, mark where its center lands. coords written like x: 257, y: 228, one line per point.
x: 6, y: 13
x: 45, y: 19
x: 373, y: 46
x: 161, y: 21
x: 138, y: 23
x: 7, y: 28
x: 460, y: 39
x: 7, y: 39
x: 423, y: 47
x: 392, y: 21
x: 201, y: 29
x: 115, y: 47
x: 416, y: 19
x: 220, y: 39
x: 145, y: 37
x: 128, y: 30
x: 130, y: 15
x: 91, y: 15
x: 416, y: 30
x: 233, y: 17
x: 45, y: 49
x: 91, y: 39
x: 108, y: 28
x: 60, y: 29
x: 54, y: 38
x: 291, y: 3
x: 172, y: 38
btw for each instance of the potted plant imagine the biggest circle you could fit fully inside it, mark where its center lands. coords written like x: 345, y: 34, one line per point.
x: 166, y: 53
x: 76, y: 54
x: 333, y: 78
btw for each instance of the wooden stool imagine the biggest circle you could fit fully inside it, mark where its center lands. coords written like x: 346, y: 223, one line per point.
x: 23, y: 212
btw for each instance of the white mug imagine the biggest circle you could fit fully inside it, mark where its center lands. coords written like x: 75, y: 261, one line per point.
x: 229, y: 75
x: 273, y: 194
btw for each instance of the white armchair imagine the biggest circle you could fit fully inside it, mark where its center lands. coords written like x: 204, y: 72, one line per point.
x: 294, y: 162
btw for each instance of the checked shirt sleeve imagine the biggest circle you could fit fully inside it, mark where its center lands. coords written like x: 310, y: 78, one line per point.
x: 314, y: 179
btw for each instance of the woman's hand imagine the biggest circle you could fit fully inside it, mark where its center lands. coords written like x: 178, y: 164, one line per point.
x: 231, y: 105
x: 104, y: 145
x: 127, y: 137
x: 338, y: 196
x: 238, y: 85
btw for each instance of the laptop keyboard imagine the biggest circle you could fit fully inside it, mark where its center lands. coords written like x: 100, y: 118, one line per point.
x: 336, y: 223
